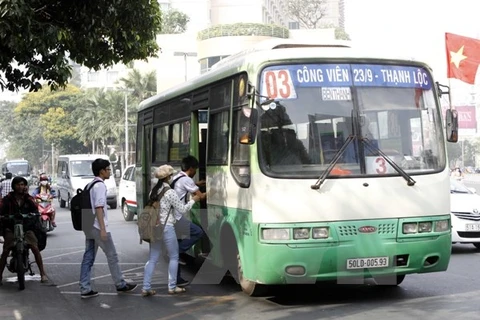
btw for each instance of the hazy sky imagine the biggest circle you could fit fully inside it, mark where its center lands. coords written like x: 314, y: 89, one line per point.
x: 412, y: 27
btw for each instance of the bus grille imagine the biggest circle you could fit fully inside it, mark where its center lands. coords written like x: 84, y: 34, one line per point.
x: 352, y: 230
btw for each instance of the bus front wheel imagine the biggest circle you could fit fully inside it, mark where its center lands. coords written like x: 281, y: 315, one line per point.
x: 251, y: 288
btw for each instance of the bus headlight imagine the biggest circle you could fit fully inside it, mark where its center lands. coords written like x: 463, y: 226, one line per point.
x: 441, y: 225
x: 301, y: 233
x: 320, y: 233
x: 275, y: 234
x: 410, y: 227
x: 424, y: 227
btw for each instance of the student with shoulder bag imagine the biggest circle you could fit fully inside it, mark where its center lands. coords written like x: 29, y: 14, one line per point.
x: 166, y: 220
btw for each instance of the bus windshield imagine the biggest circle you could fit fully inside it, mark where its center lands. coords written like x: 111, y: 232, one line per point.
x: 18, y: 168
x: 318, y: 106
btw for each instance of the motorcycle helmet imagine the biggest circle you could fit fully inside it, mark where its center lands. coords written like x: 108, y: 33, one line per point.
x: 43, y: 180
x: 17, y: 180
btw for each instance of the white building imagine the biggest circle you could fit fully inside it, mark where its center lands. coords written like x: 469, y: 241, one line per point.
x: 217, y: 29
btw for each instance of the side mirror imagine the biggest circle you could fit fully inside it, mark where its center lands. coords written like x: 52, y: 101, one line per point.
x: 248, y: 125
x: 451, y: 125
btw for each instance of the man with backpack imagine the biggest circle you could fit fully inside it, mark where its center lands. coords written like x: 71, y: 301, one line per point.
x: 187, y: 232
x: 97, y: 235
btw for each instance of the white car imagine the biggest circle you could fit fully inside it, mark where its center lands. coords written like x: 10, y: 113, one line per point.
x: 127, y: 193
x: 465, y: 212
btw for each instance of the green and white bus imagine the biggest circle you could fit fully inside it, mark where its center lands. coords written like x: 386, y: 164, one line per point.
x: 322, y: 163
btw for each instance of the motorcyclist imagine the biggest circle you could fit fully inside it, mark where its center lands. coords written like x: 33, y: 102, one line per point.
x: 45, y: 187
x: 19, y: 201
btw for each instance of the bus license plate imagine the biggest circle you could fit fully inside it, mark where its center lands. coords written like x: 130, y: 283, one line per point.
x: 363, y: 263
x: 472, y: 227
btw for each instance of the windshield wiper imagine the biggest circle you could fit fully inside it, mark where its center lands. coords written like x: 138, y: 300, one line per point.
x: 371, y: 147
x: 332, y: 163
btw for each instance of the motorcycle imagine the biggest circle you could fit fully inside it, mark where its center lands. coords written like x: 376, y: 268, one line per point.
x: 19, y: 262
x: 45, y: 208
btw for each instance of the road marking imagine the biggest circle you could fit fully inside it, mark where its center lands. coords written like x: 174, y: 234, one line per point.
x: 217, y: 301
x: 66, y: 248
x: 96, y: 278
x: 63, y: 254
x: 17, y: 315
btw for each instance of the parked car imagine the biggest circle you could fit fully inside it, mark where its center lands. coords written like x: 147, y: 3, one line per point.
x: 127, y: 194
x: 465, y: 212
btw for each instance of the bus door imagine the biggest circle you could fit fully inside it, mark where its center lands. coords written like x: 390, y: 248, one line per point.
x: 198, y: 147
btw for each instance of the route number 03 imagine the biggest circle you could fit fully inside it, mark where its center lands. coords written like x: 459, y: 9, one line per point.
x: 278, y: 84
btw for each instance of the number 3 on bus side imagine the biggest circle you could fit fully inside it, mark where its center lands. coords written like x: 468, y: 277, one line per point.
x: 380, y: 165
x: 278, y: 85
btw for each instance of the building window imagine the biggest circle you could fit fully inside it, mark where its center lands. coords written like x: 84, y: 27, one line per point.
x: 293, y: 25
x: 112, y: 76
x: 92, y: 77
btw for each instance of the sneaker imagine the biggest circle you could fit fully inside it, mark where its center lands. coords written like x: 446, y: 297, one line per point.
x: 90, y: 294
x: 147, y: 293
x: 182, y: 262
x: 127, y: 288
x: 182, y: 282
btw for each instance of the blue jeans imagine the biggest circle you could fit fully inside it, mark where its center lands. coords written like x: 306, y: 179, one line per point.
x: 91, y: 247
x: 189, y: 233
x: 170, y: 243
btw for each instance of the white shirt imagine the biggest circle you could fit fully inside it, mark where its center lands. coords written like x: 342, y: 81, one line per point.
x: 170, y: 199
x: 98, y: 199
x: 183, y: 187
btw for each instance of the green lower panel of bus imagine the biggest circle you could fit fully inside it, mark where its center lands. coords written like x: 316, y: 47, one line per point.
x: 349, y: 249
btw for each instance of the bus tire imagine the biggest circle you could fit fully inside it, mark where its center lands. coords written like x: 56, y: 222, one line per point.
x: 251, y: 288
x: 390, y: 280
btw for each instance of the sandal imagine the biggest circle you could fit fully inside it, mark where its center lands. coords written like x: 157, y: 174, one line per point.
x: 177, y: 290
x: 44, y: 279
x: 147, y: 293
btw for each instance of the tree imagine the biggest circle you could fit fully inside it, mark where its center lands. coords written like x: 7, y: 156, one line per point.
x: 143, y: 85
x: 307, y: 12
x: 174, y: 21
x: 38, y: 37
x: 46, y: 117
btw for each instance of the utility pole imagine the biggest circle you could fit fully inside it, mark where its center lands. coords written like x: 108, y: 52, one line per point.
x: 53, y: 160
x: 126, y: 129
x: 185, y: 55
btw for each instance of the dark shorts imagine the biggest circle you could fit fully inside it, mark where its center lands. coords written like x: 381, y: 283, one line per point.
x: 9, y: 242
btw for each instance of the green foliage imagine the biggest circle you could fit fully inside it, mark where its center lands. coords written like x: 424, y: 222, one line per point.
x: 72, y: 119
x: 144, y: 85
x: 243, y: 29
x: 37, y: 37
x: 174, y: 21
x: 341, y: 34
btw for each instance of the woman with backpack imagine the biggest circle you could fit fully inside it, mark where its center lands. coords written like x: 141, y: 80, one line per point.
x: 166, y: 220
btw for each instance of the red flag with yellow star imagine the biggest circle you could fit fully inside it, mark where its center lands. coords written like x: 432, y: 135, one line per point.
x: 463, y: 57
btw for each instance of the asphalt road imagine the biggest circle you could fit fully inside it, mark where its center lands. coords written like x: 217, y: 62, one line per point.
x: 453, y: 294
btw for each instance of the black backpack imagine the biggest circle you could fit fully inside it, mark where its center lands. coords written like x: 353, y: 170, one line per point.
x: 81, y: 209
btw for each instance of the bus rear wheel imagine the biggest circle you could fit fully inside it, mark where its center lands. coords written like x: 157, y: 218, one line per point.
x: 251, y: 288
